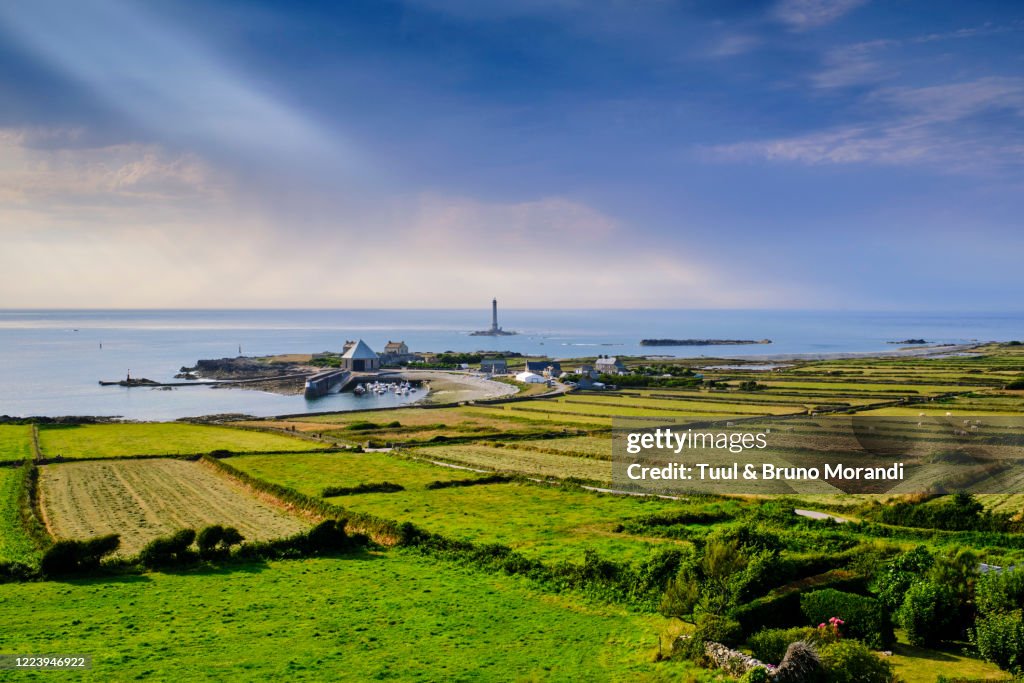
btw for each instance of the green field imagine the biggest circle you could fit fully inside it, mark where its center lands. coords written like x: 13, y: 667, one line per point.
x: 15, y: 442
x: 310, y: 473
x: 542, y: 521
x: 121, y: 440
x: 15, y: 544
x: 389, y: 616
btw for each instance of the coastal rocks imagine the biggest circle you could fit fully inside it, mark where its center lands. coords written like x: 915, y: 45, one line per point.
x: 239, y: 368
x: 186, y: 375
x: 914, y: 342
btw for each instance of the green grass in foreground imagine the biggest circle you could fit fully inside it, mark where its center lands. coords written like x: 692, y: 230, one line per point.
x: 119, y: 440
x: 389, y: 616
x: 15, y: 545
x: 15, y: 442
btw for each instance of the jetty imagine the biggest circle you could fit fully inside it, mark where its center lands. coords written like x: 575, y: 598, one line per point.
x: 323, y: 383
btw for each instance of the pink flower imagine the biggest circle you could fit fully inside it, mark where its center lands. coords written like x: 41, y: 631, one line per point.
x: 821, y: 625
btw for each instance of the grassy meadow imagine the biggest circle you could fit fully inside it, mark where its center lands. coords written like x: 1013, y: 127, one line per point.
x: 123, y: 440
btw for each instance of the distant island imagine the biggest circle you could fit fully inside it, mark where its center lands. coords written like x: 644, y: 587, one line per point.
x: 910, y: 341
x: 701, y: 342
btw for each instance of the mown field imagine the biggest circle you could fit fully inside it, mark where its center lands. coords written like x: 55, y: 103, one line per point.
x: 143, y: 499
x: 371, y: 617
x: 120, y: 440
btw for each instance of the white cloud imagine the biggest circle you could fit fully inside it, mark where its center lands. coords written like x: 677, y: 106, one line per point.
x: 928, y: 126
x: 802, y: 15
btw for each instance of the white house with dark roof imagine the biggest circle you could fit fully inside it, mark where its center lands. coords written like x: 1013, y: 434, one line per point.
x: 610, y: 365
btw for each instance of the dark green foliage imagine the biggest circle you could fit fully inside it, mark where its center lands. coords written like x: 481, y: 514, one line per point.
x: 709, y: 628
x: 1000, y: 592
x: 758, y: 675
x: 865, y: 618
x: 16, y: 571
x: 479, y: 481
x: 74, y: 557
x: 648, y: 381
x: 999, y: 638
x: 169, y: 551
x: 770, y: 644
x: 897, y: 576
x: 851, y: 662
x: 928, y: 613
x: 380, y: 487
x: 215, y: 541
x: 1017, y: 383
x: 751, y: 385
x: 960, y: 512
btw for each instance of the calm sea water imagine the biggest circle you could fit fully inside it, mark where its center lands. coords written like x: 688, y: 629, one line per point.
x: 51, y: 361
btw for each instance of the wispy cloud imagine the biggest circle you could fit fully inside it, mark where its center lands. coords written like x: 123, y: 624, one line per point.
x: 936, y: 126
x: 872, y: 61
x: 802, y: 15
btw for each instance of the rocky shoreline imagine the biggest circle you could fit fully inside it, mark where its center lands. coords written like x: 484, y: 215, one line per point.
x: 702, y: 342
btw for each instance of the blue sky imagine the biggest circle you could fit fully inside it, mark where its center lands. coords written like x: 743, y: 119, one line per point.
x: 783, y: 154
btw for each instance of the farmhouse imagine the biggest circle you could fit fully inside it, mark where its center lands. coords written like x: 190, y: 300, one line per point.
x: 610, y: 365
x: 547, y: 368
x: 360, y: 358
x: 494, y: 366
x: 586, y: 371
x: 395, y: 353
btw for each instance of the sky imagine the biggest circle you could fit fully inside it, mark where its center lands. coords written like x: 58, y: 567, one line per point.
x: 816, y: 154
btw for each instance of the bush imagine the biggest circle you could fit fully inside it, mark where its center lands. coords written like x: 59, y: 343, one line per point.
x: 215, y: 541
x: 718, y: 629
x: 73, y: 557
x: 1017, y: 383
x: 1000, y: 592
x: 999, y: 638
x: 770, y: 644
x: 864, y: 618
x: 897, y: 576
x: 757, y: 675
x: 851, y: 662
x: 381, y: 487
x: 928, y: 613
x: 169, y: 551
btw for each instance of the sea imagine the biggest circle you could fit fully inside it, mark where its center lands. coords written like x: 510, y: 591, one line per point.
x: 51, y: 361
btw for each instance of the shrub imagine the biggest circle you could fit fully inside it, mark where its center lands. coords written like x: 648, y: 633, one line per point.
x: 215, y: 541
x: 999, y: 638
x: 851, y: 662
x: 770, y: 644
x: 1000, y: 592
x: 897, y: 576
x: 169, y: 551
x: 718, y: 629
x: 928, y: 613
x: 381, y: 487
x: 756, y: 675
x: 1017, y: 383
x: 72, y: 557
x: 864, y: 618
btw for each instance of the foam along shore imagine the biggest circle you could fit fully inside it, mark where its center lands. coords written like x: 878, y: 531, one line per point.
x: 921, y: 351
x: 452, y: 387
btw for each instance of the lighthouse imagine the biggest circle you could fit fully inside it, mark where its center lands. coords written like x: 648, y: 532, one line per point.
x: 494, y: 315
